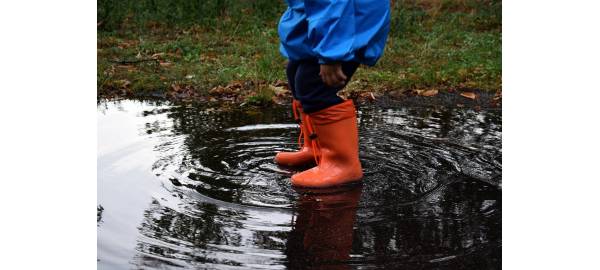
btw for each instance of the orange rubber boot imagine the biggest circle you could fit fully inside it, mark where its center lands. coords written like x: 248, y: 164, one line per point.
x: 334, y: 134
x: 303, y: 156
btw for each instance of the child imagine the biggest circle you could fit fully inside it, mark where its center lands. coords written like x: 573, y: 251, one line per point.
x: 325, y: 42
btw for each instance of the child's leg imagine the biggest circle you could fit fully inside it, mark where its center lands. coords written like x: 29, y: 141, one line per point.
x: 290, y: 71
x: 313, y: 93
x: 304, y: 155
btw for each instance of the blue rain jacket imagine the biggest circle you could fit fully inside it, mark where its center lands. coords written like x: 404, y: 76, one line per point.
x: 335, y: 30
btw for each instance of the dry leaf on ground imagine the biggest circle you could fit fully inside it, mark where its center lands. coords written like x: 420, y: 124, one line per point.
x: 157, y: 55
x: 280, y: 83
x: 278, y: 90
x: 469, y: 95
x: 427, y: 93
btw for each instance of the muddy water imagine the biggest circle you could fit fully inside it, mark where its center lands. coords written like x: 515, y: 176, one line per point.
x: 185, y: 186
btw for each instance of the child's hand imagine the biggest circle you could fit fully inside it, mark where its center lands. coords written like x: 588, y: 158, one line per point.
x: 333, y: 75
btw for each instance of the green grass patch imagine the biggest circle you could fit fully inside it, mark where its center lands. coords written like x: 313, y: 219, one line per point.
x: 262, y: 97
x: 157, y: 46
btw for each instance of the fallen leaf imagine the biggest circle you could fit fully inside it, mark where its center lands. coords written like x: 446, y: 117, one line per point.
x: 128, y: 67
x: 428, y: 93
x: 280, y: 83
x: 165, y: 64
x: 191, y: 76
x: 208, y: 57
x: 220, y: 91
x: 234, y: 86
x: 469, y: 95
x: 278, y: 90
x: 157, y: 55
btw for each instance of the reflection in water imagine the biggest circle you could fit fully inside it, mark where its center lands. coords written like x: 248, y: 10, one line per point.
x: 185, y: 186
x: 459, y: 226
x: 321, y: 237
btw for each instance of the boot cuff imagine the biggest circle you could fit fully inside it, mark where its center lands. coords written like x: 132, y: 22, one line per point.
x: 334, y: 113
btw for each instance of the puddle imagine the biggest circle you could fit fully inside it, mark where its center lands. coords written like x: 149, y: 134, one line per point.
x: 185, y: 186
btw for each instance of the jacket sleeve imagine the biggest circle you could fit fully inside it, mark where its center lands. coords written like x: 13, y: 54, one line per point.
x: 331, y: 29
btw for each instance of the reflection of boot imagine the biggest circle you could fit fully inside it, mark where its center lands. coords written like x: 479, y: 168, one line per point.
x: 335, y: 144
x: 321, y: 237
x: 303, y: 156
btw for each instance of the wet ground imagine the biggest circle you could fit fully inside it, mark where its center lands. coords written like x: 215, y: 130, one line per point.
x: 182, y: 186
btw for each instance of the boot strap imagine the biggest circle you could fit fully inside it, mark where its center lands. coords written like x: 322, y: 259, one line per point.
x: 316, y: 147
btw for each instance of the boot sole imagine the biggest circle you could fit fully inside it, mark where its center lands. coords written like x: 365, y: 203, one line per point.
x: 328, y: 190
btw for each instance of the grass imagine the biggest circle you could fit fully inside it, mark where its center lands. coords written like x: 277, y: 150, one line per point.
x: 262, y: 97
x: 432, y: 44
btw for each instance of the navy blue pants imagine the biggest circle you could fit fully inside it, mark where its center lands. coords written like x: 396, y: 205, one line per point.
x: 308, y: 87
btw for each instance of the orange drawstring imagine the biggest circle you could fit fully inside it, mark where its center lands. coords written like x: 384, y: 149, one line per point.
x: 314, y: 140
x: 295, y: 111
x: 300, y: 142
